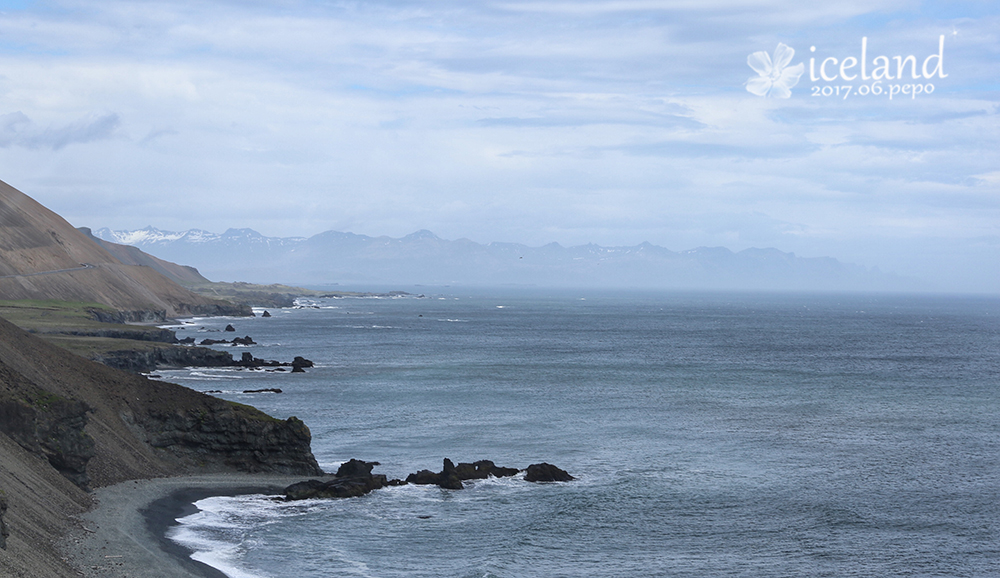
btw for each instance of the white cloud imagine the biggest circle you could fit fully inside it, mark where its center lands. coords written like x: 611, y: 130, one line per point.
x: 607, y: 121
x: 16, y: 129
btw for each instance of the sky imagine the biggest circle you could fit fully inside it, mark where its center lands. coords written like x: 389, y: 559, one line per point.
x: 534, y: 121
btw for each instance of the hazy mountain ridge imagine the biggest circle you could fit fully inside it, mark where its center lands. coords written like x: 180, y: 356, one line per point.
x: 424, y: 258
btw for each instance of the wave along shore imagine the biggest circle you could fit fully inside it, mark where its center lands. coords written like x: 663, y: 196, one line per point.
x: 125, y: 535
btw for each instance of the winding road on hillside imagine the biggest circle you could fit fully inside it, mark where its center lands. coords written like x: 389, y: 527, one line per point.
x: 80, y: 268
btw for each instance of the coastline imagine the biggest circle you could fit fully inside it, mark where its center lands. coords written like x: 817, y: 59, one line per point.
x: 124, y: 535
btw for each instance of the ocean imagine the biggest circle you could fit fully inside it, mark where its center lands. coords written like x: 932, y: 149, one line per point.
x: 713, y: 434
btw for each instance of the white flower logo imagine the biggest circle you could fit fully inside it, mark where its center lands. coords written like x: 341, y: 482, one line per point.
x: 776, y: 77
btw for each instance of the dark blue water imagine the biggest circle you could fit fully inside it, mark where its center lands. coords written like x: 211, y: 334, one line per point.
x: 712, y: 435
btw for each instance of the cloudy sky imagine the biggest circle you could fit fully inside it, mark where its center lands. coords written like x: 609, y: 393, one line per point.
x: 532, y: 121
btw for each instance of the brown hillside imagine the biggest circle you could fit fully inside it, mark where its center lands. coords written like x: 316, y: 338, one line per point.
x: 44, y: 257
x: 181, y: 274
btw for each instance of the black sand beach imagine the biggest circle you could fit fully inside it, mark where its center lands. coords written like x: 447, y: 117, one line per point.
x: 125, y: 535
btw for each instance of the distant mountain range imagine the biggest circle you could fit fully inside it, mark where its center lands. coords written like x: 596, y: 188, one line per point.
x: 423, y: 258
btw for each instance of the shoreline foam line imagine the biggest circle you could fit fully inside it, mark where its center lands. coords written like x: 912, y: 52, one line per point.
x: 126, y: 533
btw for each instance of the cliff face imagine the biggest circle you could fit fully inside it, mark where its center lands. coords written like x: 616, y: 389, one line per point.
x: 167, y: 355
x: 53, y: 428
x: 52, y: 401
x: 67, y: 424
x: 236, y: 436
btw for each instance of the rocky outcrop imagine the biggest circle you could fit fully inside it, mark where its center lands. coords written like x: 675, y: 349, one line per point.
x: 142, y: 316
x: 544, y: 472
x: 236, y: 341
x: 147, y: 360
x: 236, y: 436
x: 51, y: 427
x: 153, y: 334
x: 168, y: 356
x: 354, y: 478
x: 249, y: 361
x: 213, y: 309
x: 299, y: 363
x: 451, y: 476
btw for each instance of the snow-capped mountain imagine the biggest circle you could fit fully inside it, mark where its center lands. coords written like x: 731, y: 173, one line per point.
x: 424, y: 258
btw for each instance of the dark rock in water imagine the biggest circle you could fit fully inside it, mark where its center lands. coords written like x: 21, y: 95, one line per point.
x: 449, y: 479
x: 423, y: 478
x: 213, y: 391
x: 244, y: 341
x: 299, y: 363
x: 186, y: 341
x: 229, y: 328
x: 355, y: 468
x: 265, y: 390
x: 544, y: 472
x: 468, y: 472
x: 451, y: 476
x: 265, y: 314
x: 303, y: 490
x: 483, y: 469
x: 249, y: 361
x: 354, y: 478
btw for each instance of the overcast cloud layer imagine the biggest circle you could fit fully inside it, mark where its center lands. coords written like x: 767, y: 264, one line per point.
x: 575, y: 121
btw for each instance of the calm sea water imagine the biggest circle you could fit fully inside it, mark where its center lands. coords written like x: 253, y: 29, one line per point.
x: 712, y: 435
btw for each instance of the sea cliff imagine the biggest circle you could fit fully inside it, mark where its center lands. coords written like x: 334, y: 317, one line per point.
x: 68, y: 425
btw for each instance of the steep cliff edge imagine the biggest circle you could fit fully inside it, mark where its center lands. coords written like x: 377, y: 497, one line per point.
x: 67, y: 424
